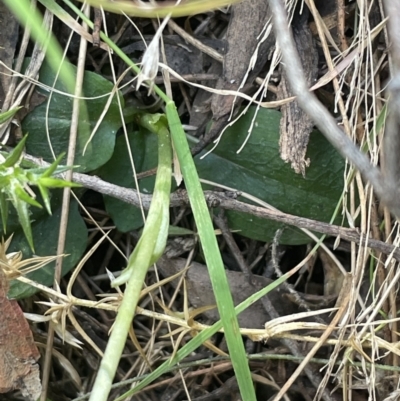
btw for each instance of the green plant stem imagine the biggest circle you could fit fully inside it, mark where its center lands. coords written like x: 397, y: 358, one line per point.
x: 203, y: 336
x: 139, y: 261
x: 114, y: 47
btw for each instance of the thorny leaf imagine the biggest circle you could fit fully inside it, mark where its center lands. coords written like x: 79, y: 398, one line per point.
x: 15, y: 183
x: 8, y: 114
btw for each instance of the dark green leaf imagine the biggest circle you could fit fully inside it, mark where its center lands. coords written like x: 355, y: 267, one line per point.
x: 100, y: 148
x: 259, y: 171
x: 45, y: 232
x: 13, y: 223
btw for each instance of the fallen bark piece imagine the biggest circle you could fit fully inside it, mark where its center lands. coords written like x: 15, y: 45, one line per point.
x: 296, y: 125
x: 18, y: 352
x: 243, y: 36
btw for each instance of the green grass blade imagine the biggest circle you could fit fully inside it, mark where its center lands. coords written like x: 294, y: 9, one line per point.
x: 212, y: 256
x: 206, y: 233
x: 5, y: 116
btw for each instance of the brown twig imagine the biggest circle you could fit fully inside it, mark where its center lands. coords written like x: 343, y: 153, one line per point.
x: 228, y: 201
x: 222, y: 224
x: 392, y: 140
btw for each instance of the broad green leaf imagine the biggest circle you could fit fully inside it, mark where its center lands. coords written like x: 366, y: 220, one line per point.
x: 100, y: 147
x: 259, y: 171
x: 45, y: 234
x: 118, y: 171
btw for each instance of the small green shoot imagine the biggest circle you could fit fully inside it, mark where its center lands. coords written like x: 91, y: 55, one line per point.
x: 15, y: 183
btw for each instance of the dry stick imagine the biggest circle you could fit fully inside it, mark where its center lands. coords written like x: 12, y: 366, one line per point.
x: 228, y: 202
x: 15, y: 79
x: 195, y: 42
x: 206, y: 50
x: 328, y: 127
x: 314, y: 376
x: 392, y: 141
x: 222, y: 224
x: 324, y: 121
x: 50, y: 332
x: 329, y: 62
x: 341, y: 18
x: 348, y: 234
x: 65, y: 202
x: 190, y: 78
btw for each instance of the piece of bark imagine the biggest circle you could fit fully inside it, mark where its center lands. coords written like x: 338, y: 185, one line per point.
x: 296, y: 125
x: 200, y: 292
x: 247, y: 22
x: 8, y: 42
x: 18, y: 352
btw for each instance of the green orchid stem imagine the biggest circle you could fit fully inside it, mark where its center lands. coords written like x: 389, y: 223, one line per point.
x: 155, y: 232
x: 149, y: 248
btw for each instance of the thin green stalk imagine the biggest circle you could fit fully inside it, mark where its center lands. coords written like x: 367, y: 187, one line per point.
x: 205, y: 229
x: 203, y: 336
x: 112, y: 46
x: 149, y: 248
x: 212, y: 255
